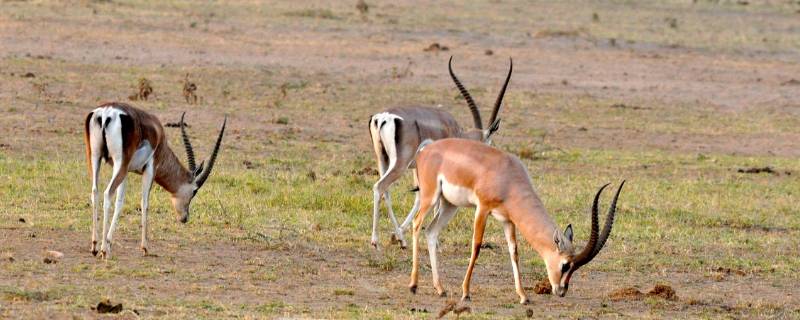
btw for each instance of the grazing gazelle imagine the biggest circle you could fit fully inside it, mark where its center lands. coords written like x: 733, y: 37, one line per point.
x: 395, y: 140
x: 463, y: 173
x: 132, y: 140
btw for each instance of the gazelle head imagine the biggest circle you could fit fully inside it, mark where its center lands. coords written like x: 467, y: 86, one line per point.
x: 479, y: 133
x: 197, y: 174
x: 562, y: 263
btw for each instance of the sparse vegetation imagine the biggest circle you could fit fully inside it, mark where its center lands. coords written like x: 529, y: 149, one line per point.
x: 282, y: 228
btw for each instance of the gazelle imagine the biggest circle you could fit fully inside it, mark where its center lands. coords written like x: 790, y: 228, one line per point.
x: 462, y: 173
x: 132, y: 140
x: 395, y: 140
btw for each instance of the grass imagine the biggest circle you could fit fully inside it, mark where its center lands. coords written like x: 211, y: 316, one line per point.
x: 284, y: 183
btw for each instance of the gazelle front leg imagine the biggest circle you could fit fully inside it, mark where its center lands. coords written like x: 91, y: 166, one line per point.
x: 511, y: 238
x: 446, y: 212
x: 415, y: 208
x: 477, y: 239
x: 147, y: 182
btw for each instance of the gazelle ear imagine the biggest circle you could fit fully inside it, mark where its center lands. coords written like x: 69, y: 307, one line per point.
x: 556, y: 238
x: 493, y: 127
x: 568, y: 232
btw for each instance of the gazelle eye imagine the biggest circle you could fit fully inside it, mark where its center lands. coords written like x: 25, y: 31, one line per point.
x: 565, y: 267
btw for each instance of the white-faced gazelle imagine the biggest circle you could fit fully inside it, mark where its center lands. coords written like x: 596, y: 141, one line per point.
x: 132, y: 140
x: 397, y: 132
x: 462, y: 173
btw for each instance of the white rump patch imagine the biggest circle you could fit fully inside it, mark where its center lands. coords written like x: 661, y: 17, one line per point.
x: 385, y: 130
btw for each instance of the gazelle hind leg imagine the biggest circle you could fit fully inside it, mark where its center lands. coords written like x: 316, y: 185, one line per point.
x: 477, y: 239
x: 380, y: 188
x: 117, y: 210
x: 95, y: 200
x: 427, y: 203
x: 511, y: 239
x: 446, y: 212
x: 398, y: 232
x: 147, y: 183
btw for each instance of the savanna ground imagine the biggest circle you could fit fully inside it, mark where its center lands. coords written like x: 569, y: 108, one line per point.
x: 675, y: 96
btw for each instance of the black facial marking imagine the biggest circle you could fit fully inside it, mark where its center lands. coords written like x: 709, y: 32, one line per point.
x: 565, y: 268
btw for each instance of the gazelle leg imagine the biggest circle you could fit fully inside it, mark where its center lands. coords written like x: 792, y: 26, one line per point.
x: 446, y: 212
x: 427, y: 204
x: 380, y: 188
x: 511, y: 239
x: 117, y: 184
x: 147, y: 183
x: 111, y: 188
x: 95, y: 200
x: 415, y: 208
x: 477, y: 239
x: 117, y: 210
x: 397, y: 231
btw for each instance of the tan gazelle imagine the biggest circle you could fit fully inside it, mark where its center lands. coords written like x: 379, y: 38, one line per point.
x: 132, y: 140
x: 397, y: 132
x: 464, y: 173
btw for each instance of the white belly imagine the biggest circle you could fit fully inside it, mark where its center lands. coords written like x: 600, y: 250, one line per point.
x: 141, y: 157
x: 457, y: 195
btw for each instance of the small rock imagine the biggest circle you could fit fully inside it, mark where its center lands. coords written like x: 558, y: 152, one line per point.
x: 21, y: 220
x: 488, y: 52
x: 29, y: 75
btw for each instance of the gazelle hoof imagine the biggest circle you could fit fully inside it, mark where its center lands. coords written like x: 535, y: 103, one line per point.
x: 413, y: 289
x: 144, y: 252
x: 465, y: 298
x: 94, y: 252
x: 524, y: 301
x: 442, y: 293
x: 374, y: 245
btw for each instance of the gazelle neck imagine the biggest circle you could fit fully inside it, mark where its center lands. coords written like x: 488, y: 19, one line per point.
x: 170, y: 174
x: 531, y: 219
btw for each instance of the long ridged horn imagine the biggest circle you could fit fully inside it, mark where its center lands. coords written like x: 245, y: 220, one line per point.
x: 499, y: 101
x: 201, y: 178
x: 187, y: 145
x: 584, y: 256
x: 609, y: 222
x: 476, y: 114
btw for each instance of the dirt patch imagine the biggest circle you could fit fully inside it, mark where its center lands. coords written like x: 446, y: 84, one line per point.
x: 548, y: 33
x: 730, y: 271
x: 791, y: 82
x: 436, y: 47
x: 630, y: 293
x: 626, y: 106
x: 664, y: 292
x: 106, y: 306
x: 767, y: 169
x: 659, y: 291
x: 543, y: 287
